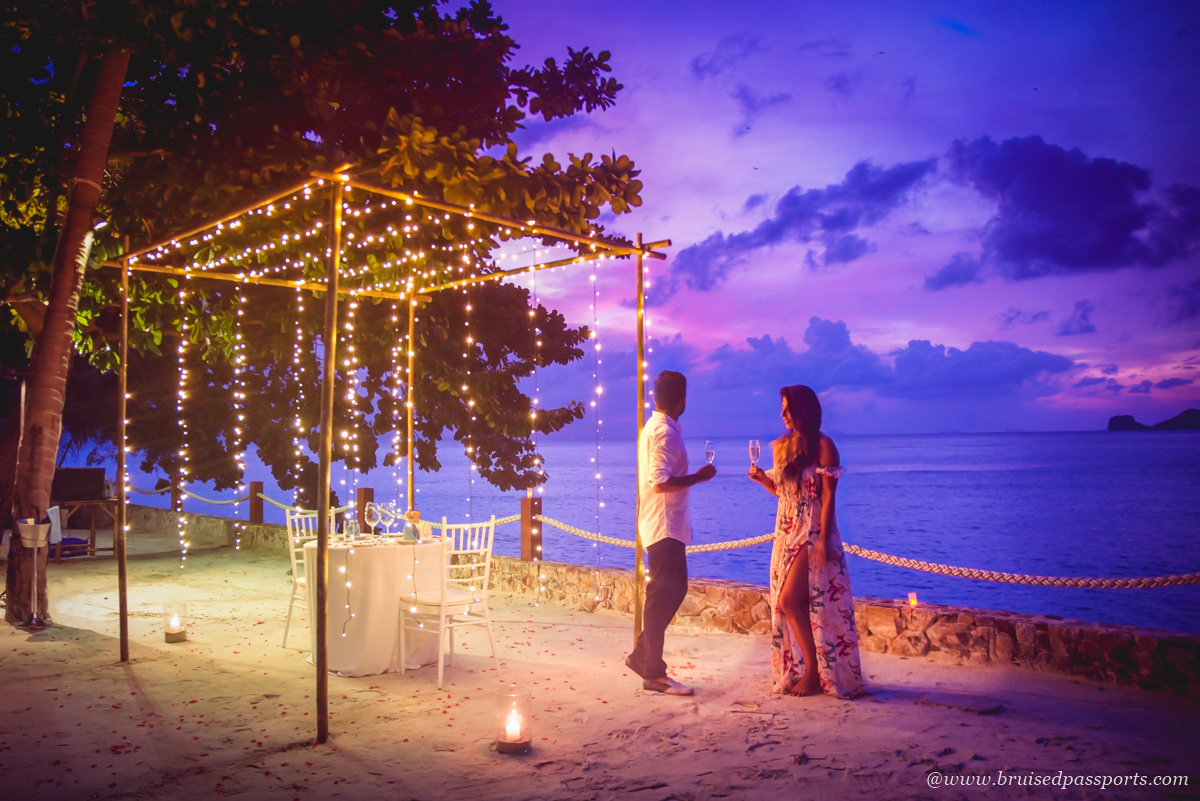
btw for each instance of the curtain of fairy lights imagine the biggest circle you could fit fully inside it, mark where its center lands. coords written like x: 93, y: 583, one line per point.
x: 399, y: 339
x: 597, y: 392
x: 300, y: 379
x: 181, y: 421
x: 469, y: 400
x: 239, y: 411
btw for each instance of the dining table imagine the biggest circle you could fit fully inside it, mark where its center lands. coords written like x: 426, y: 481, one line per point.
x: 369, y: 582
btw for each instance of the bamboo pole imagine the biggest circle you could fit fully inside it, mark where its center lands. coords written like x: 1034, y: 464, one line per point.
x: 122, y: 512
x: 639, y: 583
x: 288, y: 283
x: 528, y: 227
x: 409, y: 396
x: 550, y: 265
x: 328, y: 390
x: 232, y: 215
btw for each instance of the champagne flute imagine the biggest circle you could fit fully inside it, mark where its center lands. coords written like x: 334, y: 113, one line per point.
x: 755, y: 452
x: 710, y: 450
x: 386, y: 517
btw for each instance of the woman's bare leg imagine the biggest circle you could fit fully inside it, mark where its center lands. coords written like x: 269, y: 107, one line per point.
x: 793, y: 601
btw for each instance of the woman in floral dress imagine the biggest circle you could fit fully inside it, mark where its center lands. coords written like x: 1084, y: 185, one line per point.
x: 812, y: 610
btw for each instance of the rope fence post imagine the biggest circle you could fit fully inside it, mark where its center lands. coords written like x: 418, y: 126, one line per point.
x: 256, y: 502
x: 364, y: 496
x: 531, y: 529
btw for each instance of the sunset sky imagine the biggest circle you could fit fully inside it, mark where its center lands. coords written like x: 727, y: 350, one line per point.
x: 942, y: 216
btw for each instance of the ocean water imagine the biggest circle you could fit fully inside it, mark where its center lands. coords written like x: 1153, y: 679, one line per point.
x: 1093, y: 504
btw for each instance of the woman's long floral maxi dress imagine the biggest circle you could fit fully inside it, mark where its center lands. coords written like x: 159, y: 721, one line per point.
x: 831, y: 606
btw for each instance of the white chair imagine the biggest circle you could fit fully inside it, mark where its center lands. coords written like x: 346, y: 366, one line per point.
x: 301, y: 528
x: 461, y: 599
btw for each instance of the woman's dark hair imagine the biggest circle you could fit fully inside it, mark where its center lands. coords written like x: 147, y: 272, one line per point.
x: 800, y: 447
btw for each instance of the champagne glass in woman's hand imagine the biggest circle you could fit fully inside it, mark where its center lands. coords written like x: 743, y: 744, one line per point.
x: 710, y: 451
x: 755, y: 452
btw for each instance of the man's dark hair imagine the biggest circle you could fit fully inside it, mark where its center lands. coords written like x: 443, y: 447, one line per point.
x: 670, y: 388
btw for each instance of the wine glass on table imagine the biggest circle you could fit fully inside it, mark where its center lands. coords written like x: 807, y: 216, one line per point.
x: 371, y: 516
x: 755, y: 453
x: 387, y: 517
x: 710, y: 451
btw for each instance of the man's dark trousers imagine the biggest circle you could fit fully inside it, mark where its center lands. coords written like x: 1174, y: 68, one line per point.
x: 664, y: 593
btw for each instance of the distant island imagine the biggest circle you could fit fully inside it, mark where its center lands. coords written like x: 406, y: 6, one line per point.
x: 1188, y: 421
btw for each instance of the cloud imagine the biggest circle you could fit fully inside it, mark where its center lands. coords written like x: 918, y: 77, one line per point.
x: 985, y: 369
x: 1184, y: 302
x: 729, y: 51
x: 1080, y: 321
x: 830, y: 359
x: 1108, y: 385
x: 826, y: 216
x: 1108, y: 369
x: 846, y: 249
x: 754, y: 201
x: 957, y: 26
x: 1015, y: 316
x: 1140, y: 389
x: 1171, y: 383
x: 827, y: 48
x: 671, y: 354
x: 962, y: 269
x: 752, y: 104
x: 920, y: 370
x: 843, y: 83
x: 537, y: 131
x: 1062, y: 212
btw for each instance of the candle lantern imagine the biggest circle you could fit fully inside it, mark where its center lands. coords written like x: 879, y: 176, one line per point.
x: 514, y: 714
x: 175, y: 622
x: 912, y: 599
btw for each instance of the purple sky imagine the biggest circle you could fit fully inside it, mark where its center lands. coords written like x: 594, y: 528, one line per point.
x: 942, y: 216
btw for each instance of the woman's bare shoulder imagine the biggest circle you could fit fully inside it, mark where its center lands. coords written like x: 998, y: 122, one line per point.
x: 827, y: 452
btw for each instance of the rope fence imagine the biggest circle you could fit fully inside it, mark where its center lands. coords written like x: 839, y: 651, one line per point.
x: 1145, y: 582
x: 928, y: 567
x: 1017, y: 578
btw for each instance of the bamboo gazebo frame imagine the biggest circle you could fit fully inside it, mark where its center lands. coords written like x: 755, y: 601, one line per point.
x: 341, y: 179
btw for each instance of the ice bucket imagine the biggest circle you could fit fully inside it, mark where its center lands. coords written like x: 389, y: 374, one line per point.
x: 33, y: 535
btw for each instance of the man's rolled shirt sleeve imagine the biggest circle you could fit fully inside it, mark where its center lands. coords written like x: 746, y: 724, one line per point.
x: 658, y: 459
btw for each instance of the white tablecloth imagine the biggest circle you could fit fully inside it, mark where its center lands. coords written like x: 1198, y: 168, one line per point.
x: 381, y: 577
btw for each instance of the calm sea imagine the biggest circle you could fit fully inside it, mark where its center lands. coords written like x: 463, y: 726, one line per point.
x: 1095, y: 504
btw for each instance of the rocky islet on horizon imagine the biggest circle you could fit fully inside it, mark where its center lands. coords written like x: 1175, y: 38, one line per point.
x: 1186, y: 421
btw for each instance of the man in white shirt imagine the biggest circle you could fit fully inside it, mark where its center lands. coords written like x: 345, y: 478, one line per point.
x: 664, y: 527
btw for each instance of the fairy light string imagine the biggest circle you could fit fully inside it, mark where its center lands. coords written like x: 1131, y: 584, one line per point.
x: 239, y: 411
x: 469, y: 401
x: 598, y: 390
x: 182, y: 468
x: 298, y: 370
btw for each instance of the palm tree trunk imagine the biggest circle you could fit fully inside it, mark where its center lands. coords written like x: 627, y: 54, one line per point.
x: 52, y: 351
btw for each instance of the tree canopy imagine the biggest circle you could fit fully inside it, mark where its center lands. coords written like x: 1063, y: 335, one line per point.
x: 226, y: 101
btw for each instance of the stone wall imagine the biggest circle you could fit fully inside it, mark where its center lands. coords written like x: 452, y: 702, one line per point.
x: 204, y: 531
x: 1151, y: 660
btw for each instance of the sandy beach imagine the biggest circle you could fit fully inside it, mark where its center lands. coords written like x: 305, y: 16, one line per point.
x: 231, y: 713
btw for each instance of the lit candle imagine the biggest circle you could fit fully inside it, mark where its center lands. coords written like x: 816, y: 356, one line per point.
x: 175, y: 622
x: 912, y: 599
x: 512, y: 727
x: 513, y: 718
